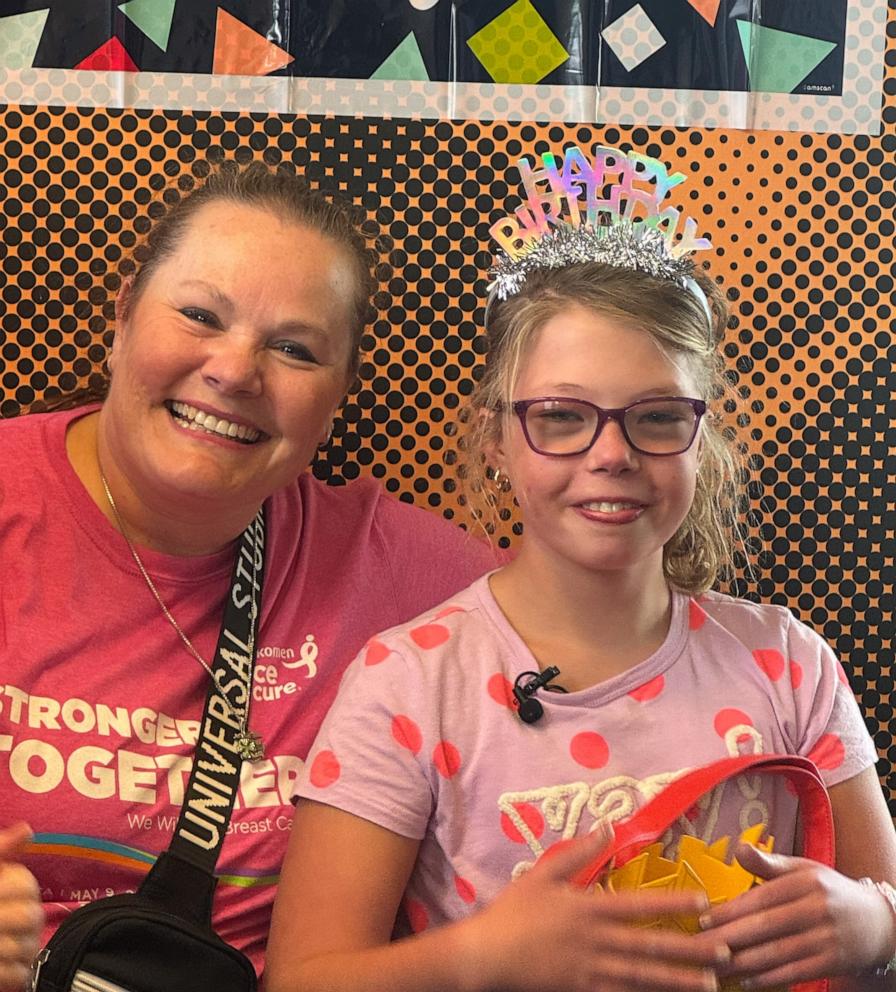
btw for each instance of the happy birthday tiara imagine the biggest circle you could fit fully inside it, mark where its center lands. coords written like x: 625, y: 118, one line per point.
x: 605, y: 209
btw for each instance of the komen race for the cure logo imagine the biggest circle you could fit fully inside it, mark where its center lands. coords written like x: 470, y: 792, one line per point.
x: 269, y: 684
x: 104, y: 751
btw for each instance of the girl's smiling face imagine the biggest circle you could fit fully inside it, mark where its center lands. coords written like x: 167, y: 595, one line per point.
x: 610, y: 507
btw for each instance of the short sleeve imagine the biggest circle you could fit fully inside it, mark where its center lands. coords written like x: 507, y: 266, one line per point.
x: 830, y: 728
x: 364, y: 759
x: 429, y: 558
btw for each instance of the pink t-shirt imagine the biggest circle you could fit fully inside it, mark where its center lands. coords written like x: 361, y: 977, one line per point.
x: 100, y: 702
x: 424, y: 739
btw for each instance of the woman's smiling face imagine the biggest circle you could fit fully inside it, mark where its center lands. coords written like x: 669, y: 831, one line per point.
x: 230, y: 362
x: 610, y: 507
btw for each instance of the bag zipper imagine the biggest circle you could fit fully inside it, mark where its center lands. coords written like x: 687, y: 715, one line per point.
x: 36, y: 965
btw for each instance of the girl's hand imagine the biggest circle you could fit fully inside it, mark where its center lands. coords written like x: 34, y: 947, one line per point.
x: 542, y: 933
x: 806, y: 921
x: 21, y: 912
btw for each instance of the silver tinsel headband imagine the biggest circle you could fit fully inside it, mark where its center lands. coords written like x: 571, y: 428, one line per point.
x: 607, y: 209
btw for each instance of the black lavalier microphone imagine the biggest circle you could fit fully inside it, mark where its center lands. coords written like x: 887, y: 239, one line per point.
x: 529, y: 708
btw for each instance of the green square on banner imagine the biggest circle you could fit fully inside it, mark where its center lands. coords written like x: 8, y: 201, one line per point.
x: 518, y: 46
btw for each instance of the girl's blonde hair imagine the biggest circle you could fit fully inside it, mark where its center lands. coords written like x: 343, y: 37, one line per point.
x: 702, y: 550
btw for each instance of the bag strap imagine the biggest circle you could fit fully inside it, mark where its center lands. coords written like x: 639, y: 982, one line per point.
x: 649, y: 824
x: 183, y: 876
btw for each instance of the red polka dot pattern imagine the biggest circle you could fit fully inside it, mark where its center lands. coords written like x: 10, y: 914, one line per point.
x: 530, y: 815
x: 418, y: 918
x: 650, y: 690
x: 448, y: 610
x: 446, y: 759
x: 432, y: 635
x: 589, y: 750
x: 828, y: 753
x: 465, y: 889
x: 376, y: 652
x: 796, y: 674
x: 407, y: 733
x: 771, y: 662
x: 501, y: 690
x: 728, y: 718
x: 325, y: 770
x: 696, y: 615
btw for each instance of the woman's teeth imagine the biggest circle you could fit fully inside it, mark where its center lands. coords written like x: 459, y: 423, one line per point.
x: 198, y: 420
x: 608, y: 507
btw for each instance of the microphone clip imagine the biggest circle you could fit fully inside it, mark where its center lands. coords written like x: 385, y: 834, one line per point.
x: 530, y: 709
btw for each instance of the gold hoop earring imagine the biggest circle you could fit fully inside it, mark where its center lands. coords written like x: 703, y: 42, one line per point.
x: 501, y: 481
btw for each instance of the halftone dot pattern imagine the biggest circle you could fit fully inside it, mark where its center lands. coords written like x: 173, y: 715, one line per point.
x: 857, y: 111
x: 518, y: 46
x: 803, y: 226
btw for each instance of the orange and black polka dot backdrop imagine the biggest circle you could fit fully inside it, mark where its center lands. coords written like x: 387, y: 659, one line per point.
x: 803, y: 228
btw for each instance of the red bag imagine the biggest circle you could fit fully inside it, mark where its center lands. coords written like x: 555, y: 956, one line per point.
x: 648, y: 824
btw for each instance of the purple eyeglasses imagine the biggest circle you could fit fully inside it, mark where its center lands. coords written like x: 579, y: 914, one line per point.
x: 562, y: 426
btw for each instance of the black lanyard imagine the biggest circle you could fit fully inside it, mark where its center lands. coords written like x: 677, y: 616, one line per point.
x: 223, y: 736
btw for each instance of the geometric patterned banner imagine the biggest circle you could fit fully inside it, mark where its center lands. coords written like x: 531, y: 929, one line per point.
x: 758, y: 64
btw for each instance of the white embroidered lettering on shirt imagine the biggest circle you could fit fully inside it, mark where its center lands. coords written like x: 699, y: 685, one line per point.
x: 745, y: 739
x: 618, y: 797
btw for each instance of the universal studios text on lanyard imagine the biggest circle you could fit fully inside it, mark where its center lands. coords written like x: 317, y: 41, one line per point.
x: 160, y: 938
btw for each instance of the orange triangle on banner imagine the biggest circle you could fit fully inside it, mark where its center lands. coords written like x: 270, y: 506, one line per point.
x: 707, y: 9
x: 110, y: 55
x: 240, y: 51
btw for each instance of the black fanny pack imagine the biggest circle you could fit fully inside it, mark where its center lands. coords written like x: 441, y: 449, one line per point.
x: 160, y: 938
x: 146, y: 941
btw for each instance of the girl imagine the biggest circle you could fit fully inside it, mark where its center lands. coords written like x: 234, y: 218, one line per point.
x: 428, y: 797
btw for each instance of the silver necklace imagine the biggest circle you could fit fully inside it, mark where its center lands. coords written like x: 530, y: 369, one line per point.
x: 248, y: 743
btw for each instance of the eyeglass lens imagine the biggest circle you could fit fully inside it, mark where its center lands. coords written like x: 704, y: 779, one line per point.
x: 659, y: 427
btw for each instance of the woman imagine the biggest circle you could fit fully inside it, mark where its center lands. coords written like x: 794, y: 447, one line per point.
x: 235, y: 342
x: 435, y: 805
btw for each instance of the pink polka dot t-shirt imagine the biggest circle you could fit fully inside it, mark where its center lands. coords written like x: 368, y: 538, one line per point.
x: 424, y: 738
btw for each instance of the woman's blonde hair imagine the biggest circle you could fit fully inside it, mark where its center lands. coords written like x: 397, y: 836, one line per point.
x: 702, y: 550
